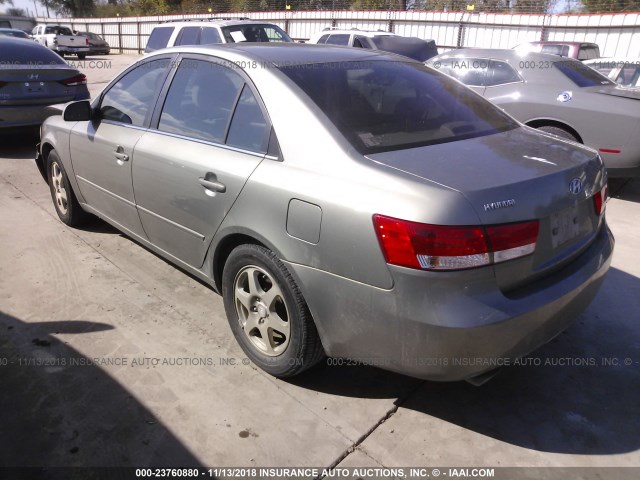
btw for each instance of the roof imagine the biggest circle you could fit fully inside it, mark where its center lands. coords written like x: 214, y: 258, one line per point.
x: 558, y: 42
x: 282, y: 54
x: 222, y: 22
x: 357, y: 31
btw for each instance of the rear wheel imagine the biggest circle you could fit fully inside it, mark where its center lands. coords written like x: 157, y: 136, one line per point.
x: 64, y: 200
x: 559, y: 132
x: 267, y: 313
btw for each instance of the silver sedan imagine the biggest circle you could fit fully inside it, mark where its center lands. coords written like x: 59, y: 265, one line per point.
x: 556, y: 94
x: 344, y: 202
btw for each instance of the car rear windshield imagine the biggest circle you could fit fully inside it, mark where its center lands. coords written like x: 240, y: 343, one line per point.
x: 381, y: 106
x: 30, y: 53
x: 581, y: 74
x: 58, y: 30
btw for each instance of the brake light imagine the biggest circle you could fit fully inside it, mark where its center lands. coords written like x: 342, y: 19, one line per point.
x: 80, y: 79
x: 443, y: 247
x: 600, y: 200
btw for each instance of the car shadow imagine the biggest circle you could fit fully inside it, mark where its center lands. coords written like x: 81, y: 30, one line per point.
x: 580, y: 399
x: 19, y: 143
x: 61, y: 409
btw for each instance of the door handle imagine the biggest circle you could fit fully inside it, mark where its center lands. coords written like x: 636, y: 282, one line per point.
x: 213, y: 184
x: 120, y: 155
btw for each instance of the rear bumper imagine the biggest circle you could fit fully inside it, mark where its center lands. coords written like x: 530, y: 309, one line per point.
x: 25, y: 115
x: 448, y: 326
x: 72, y: 50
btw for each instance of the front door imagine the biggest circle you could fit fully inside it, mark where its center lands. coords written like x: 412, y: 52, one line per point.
x: 102, y: 150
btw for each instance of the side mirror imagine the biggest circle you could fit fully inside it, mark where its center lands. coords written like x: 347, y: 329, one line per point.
x: 77, y: 111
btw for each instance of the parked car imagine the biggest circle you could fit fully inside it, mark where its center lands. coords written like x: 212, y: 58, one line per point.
x: 61, y: 40
x: 213, y: 31
x: 32, y: 78
x: 558, y: 95
x: 343, y: 201
x: 578, y: 50
x: 411, y: 47
x: 624, y: 71
x: 97, y: 44
x: 13, y: 32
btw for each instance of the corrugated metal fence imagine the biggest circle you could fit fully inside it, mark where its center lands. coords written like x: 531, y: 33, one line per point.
x: 616, y: 34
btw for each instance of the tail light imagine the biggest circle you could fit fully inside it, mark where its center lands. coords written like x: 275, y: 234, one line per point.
x: 443, y: 247
x: 80, y: 79
x: 600, y: 200
x: 86, y: 40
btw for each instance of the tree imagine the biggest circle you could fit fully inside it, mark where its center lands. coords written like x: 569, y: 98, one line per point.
x: 10, y: 2
x: 16, y: 12
x: 74, y: 8
x: 603, y: 6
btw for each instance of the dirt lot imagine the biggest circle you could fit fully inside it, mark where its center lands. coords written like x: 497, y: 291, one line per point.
x: 109, y: 356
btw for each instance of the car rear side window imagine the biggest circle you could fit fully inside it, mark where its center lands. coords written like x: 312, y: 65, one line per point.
x: 159, y: 38
x: 130, y: 99
x: 382, y: 106
x: 209, y: 36
x: 200, y: 101
x: 249, y: 129
x: 323, y: 39
x: 188, y: 36
x: 581, y: 74
x: 338, y: 39
x: 501, y: 73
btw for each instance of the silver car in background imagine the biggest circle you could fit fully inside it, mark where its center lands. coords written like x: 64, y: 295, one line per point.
x: 32, y: 78
x: 343, y: 202
x: 558, y: 95
x: 624, y: 71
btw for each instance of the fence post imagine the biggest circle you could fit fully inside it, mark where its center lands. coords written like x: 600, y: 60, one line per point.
x: 120, y: 36
x: 460, y: 42
x: 139, y: 38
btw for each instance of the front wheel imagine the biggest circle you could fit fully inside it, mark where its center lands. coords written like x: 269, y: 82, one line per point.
x: 64, y: 200
x: 268, y: 314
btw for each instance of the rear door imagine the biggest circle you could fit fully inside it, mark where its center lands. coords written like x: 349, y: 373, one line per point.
x: 211, y: 133
x: 102, y: 150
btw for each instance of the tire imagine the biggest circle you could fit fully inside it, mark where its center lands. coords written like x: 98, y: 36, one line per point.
x: 559, y: 132
x: 82, y: 56
x: 64, y: 200
x: 262, y: 300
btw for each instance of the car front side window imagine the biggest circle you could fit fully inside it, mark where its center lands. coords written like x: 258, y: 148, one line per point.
x: 200, y: 101
x: 130, y: 99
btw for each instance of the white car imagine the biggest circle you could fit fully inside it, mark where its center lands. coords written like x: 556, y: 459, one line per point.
x: 412, y: 47
x: 216, y: 30
x: 625, y: 71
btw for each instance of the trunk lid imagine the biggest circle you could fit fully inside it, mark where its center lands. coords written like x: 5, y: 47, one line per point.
x: 29, y: 85
x: 617, y: 91
x: 518, y: 176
